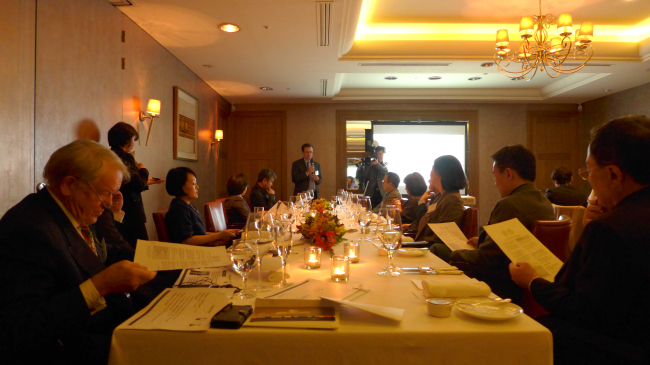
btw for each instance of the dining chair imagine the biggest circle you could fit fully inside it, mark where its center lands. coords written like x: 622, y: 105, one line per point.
x: 554, y: 235
x: 576, y: 213
x: 215, y: 217
x: 161, y: 229
x: 469, y: 222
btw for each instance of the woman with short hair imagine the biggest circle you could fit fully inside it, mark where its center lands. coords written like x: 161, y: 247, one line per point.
x: 183, y: 221
x: 121, y: 138
x: 415, y: 188
x: 237, y: 210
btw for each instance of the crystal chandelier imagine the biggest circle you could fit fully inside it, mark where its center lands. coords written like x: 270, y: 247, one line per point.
x: 540, y: 52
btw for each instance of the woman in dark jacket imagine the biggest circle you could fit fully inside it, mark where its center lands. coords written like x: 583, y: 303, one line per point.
x: 415, y: 188
x: 121, y: 138
x: 237, y: 210
x: 183, y: 220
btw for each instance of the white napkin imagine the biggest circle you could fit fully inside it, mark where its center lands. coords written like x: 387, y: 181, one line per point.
x: 455, y: 289
x: 274, y: 209
x: 407, y: 239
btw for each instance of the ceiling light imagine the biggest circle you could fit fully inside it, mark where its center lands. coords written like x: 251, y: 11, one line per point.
x: 390, y: 78
x: 487, y: 64
x: 474, y: 78
x: 518, y: 78
x: 435, y: 78
x: 546, y: 53
x: 229, y: 28
x: 266, y: 88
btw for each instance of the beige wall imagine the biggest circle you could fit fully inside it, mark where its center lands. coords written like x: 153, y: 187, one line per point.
x: 499, y: 125
x: 80, y: 90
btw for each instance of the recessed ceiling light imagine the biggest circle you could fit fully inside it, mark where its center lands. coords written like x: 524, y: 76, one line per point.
x: 474, y: 78
x: 266, y: 88
x: 390, y: 78
x: 518, y: 78
x: 229, y: 28
x: 487, y: 64
x: 435, y: 78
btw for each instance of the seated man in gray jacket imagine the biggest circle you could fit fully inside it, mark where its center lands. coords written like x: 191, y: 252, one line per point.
x: 389, y: 184
x: 514, y: 173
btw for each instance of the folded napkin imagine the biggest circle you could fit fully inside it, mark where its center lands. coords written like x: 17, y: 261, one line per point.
x: 455, y: 289
x: 407, y: 239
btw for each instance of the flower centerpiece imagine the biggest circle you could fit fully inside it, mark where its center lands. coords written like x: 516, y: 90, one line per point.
x: 324, y: 230
x: 321, y: 205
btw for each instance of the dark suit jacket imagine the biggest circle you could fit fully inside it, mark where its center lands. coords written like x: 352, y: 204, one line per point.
x: 260, y: 198
x: 43, y: 315
x: 132, y: 192
x: 604, y: 286
x: 237, y: 210
x: 300, y: 178
x: 566, y: 195
x: 449, y: 208
x: 411, y: 210
x: 183, y: 221
x: 388, y: 199
x: 374, y: 175
x: 117, y: 248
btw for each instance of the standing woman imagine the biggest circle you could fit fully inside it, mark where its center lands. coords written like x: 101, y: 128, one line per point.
x: 121, y: 138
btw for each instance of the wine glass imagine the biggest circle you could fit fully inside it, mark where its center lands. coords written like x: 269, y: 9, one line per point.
x: 252, y: 235
x: 284, y: 245
x: 365, y: 218
x: 390, y: 237
x: 310, y: 195
x: 243, y: 258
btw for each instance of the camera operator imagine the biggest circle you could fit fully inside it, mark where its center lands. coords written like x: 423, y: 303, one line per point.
x: 374, y: 174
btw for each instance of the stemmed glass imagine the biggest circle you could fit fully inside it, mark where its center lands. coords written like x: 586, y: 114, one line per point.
x: 310, y: 195
x: 243, y: 258
x: 284, y: 244
x: 390, y: 236
x: 294, y: 204
x: 365, y: 218
x: 253, y: 236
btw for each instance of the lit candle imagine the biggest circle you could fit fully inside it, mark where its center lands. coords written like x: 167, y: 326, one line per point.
x: 312, y: 257
x: 340, y: 268
x: 351, y: 250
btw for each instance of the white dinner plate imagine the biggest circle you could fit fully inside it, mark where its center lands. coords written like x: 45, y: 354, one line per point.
x: 489, y: 311
x: 412, y: 251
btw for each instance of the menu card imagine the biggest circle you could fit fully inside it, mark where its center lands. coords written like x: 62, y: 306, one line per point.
x: 520, y: 245
x: 159, y: 256
x: 451, y: 235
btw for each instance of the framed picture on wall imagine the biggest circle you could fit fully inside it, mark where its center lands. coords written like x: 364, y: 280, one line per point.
x: 186, y: 126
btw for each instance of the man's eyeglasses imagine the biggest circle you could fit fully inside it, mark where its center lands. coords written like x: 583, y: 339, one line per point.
x: 106, y: 196
x: 584, y: 173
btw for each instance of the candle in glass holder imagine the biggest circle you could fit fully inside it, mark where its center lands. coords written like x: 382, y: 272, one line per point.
x: 312, y: 257
x: 351, y: 250
x: 340, y: 268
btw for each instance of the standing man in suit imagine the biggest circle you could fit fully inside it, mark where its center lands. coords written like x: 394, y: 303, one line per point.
x: 374, y: 175
x: 564, y: 193
x: 305, y: 173
x: 59, y: 302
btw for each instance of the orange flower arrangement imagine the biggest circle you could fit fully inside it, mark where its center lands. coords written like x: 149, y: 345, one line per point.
x: 321, y: 205
x: 324, y: 230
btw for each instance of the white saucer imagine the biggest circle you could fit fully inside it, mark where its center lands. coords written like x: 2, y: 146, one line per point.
x: 413, y: 251
x: 489, y: 311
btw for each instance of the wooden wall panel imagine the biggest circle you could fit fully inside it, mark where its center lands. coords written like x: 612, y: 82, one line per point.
x: 78, y: 73
x: 17, y: 38
x: 554, y: 139
x: 258, y: 142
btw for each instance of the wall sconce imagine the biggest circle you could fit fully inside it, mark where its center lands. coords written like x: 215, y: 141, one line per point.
x: 218, y: 135
x: 153, y: 110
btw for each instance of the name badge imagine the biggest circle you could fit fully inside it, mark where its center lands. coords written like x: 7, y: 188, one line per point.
x: 316, y: 172
x: 432, y: 207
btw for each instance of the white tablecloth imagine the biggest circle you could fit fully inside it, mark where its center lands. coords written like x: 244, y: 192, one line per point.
x: 362, y: 338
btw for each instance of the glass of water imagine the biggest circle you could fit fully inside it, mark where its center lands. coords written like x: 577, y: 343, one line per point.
x: 390, y: 237
x: 243, y: 258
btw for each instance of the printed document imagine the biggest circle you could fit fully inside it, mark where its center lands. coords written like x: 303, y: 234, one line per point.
x: 451, y: 235
x: 176, y: 309
x: 160, y: 256
x: 521, y: 246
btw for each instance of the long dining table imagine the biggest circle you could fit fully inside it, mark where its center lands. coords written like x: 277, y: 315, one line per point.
x: 362, y: 337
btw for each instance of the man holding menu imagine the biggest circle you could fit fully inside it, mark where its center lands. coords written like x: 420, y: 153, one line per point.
x: 598, y: 300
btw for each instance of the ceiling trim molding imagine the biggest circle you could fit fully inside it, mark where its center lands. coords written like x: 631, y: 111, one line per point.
x: 576, y: 85
x: 349, y: 23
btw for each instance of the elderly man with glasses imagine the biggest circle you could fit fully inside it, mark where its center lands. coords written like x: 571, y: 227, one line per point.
x: 59, y: 302
x: 597, y: 302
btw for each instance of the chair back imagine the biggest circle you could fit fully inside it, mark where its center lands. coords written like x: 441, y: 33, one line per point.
x: 576, y: 213
x: 161, y: 229
x: 215, y: 217
x: 554, y: 235
x: 469, y: 222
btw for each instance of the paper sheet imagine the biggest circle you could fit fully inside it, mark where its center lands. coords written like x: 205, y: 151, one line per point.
x: 203, y: 277
x: 181, y: 309
x: 451, y: 235
x: 315, y: 289
x: 395, y: 314
x: 521, y: 246
x: 159, y: 256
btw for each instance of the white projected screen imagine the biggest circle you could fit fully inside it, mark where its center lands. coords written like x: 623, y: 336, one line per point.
x: 413, y: 148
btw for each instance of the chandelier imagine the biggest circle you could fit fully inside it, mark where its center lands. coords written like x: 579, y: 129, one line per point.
x: 540, y: 52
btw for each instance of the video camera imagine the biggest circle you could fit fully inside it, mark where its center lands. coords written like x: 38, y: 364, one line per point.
x: 367, y: 160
